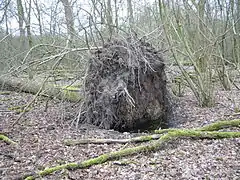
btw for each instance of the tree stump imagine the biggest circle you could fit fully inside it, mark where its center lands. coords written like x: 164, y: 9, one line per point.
x: 125, y: 87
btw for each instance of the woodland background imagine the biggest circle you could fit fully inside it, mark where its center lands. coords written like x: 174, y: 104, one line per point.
x: 45, y: 47
x: 49, y: 40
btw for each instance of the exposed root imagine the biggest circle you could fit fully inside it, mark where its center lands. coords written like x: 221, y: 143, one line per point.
x: 125, y: 87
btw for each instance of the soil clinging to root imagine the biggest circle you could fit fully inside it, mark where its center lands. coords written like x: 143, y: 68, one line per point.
x: 125, y: 87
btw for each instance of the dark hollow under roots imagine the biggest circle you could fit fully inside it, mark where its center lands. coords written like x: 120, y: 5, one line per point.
x: 125, y: 87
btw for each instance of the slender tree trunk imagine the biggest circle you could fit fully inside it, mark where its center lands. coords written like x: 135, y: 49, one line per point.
x: 130, y: 14
x: 201, y: 12
x: 223, y: 74
x: 69, y: 20
x: 6, y: 17
x: 238, y: 14
x: 38, y: 15
x: 109, y: 17
x: 53, y: 19
x: 116, y: 15
x: 20, y: 23
x: 28, y: 25
x: 236, y: 29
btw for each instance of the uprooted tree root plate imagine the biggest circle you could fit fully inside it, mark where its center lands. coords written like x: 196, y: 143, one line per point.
x: 125, y: 87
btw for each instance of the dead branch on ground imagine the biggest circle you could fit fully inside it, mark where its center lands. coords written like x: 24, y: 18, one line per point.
x: 6, y: 139
x: 208, y: 132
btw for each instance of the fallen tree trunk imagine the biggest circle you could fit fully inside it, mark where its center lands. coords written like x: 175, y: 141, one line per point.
x: 32, y: 86
x: 204, y: 132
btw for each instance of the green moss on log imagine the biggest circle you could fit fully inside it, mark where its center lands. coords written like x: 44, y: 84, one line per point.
x: 19, y: 109
x: 221, y: 125
x: 6, y: 99
x: 205, y: 132
x: 212, y: 127
x: 71, y: 93
x: 5, y: 92
x: 48, y: 89
x: 6, y: 139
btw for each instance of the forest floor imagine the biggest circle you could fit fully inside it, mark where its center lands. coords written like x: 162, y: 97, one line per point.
x: 40, y: 134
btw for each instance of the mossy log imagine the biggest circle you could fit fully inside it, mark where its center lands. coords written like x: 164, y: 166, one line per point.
x: 6, y: 139
x: 204, y: 132
x: 212, y: 127
x: 20, y: 109
x: 221, y: 125
x: 32, y: 86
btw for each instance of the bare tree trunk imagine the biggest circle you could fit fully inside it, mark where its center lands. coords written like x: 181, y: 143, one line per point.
x: 108, y: 11
x: 28, y: 24
x: 223, y: 74
x: 238, y: 13
x: 53, y: 21
x: 116, y: 15
x: 201, y: 11
x: 20, y: 23
x: 38, y: 15
x: 6, y: 16
x: 69, y: 20
x: 236, y: 28
x: 130, y: 14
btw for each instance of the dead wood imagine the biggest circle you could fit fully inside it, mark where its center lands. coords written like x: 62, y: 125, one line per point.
x: 151, y: 146
x: 33, y: 86
x: 71, y: 142
x: 125, y: 87
x: 212, y: 127
x: 6, y: 139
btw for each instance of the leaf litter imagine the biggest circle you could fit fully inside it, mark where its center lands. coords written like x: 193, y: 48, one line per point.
x: 40, y: 135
